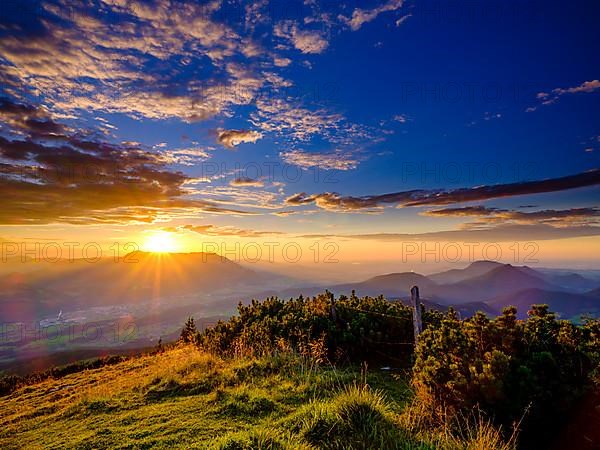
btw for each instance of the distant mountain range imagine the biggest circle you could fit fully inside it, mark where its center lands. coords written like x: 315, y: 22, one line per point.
x: 482, y: 286
x: 150, y: 296
x: 209, y: 278
x: 473, y: 270
x: 140, y: 277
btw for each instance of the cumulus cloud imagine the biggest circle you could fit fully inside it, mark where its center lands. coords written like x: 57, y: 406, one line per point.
x: 282, y: 62
x: 165, y: 59
x: 361, y: 16
x: 103, y: 58
x: 307, y: 41
x: 586, y: 86
x: 233, y: 138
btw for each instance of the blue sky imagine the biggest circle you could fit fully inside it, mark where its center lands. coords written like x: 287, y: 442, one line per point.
x: 291, y: 117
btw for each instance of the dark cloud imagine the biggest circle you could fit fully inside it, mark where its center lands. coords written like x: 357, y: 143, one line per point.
x: 245, y: 181
x: 335, y: 202
x: 232, y: 138
x: 486, y: 216
x: 499, y: 233
x: 465, y: 211
x: 590, y: 178
x: 79, y: 180
x: 28, y: 119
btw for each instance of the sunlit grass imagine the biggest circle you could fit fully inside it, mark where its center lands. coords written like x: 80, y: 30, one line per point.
x: 184, y: 398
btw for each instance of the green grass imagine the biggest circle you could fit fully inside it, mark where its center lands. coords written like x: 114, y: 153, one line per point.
x: 184, y: 398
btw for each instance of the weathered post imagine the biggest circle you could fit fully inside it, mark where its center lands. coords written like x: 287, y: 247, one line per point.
x: 416, y: 304
x: 332, y: 306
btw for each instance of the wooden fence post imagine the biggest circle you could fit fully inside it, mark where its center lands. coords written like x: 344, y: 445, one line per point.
x: 416, y: 304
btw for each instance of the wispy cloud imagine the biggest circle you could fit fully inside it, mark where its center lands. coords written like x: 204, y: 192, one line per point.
x: 184, y: 156
x: 294, y: 120
x: 337, y: 160
x: 493, y: 216
x: 336, y: 202
x: 499, y: 233
x: 548, y: 98
x: 213, y: 230
x: 402, y: 118
x: 361, y: 16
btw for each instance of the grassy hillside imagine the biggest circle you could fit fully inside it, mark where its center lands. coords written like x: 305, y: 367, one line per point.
x: 185, y: 398
x: 294, y: 374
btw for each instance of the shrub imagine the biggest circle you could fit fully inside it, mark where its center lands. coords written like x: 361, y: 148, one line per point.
x: 349, y: 329
x: 506, y: 367
x: 188, y: 332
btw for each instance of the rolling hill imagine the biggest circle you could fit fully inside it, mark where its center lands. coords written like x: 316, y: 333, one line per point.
x: 502, y: 280
x: 475, y: 269
x: 140, y: 277
x: 481, y: 286
x: 183, y: 398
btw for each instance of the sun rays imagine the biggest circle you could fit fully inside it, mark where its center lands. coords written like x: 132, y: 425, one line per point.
x: 161, y: 242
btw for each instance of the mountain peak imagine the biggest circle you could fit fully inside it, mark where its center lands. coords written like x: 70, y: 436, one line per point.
x: 485, y: 263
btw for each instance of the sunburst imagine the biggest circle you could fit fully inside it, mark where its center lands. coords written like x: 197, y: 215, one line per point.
x: 161, y: 242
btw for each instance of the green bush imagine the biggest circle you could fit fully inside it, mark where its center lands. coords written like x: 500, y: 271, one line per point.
x: 509, y: 368
x: 525, y: 374
x: 349, y: 329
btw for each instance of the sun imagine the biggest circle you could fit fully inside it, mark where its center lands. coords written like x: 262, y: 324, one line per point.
x: 161, y: 242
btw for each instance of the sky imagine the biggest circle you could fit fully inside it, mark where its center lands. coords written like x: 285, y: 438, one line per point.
x: 349, y: 131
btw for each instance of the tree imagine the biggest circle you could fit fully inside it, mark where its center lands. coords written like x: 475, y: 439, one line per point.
x: 189, y: 332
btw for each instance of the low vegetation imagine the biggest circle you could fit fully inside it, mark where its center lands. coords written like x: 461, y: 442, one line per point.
x: 187, y: 398
x: 306, y: 374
